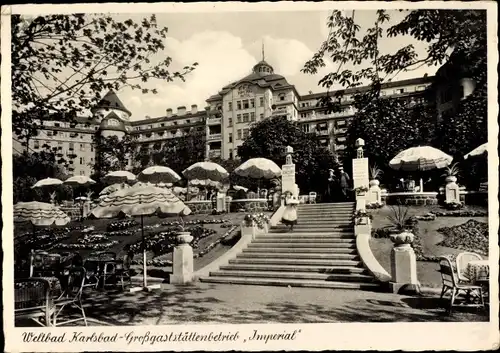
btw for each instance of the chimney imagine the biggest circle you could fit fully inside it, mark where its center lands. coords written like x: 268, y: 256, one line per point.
x: 181, y: 110
x: 194, y: 109
x: 169, y: 113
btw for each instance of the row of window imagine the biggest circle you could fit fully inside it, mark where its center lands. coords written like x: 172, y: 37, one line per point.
x: 241, y: 134
x: 174, y: 123
x: 245, y: 104
x: 339, y: 124
x: 71, y: 146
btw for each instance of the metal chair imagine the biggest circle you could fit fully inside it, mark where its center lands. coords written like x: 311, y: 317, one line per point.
x: 450, y: 283
x: 72, y: 296
x: 122, y: 270
x: 462, y: 261
x: 32, y: 300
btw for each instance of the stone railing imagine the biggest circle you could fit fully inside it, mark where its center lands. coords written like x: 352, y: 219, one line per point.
x: 249, y: 205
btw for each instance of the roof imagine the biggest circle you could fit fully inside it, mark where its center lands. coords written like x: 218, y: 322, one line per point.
x: 411, y: 81
x: 111, y: 100
x: 106, y: 126
x: 186, y: 115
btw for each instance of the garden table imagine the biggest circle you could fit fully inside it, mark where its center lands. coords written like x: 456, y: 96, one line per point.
x: 478, y: 270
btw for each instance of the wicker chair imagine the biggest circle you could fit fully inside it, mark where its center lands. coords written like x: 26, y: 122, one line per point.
x: 32, y: 300
x: 451, y: 283
x: 463, y: 260
x: 72, y: 296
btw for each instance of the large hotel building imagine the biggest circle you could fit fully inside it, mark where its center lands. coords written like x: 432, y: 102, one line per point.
x: 228, y: 117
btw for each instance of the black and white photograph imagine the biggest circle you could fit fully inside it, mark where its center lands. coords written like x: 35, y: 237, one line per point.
x: 230, y: 176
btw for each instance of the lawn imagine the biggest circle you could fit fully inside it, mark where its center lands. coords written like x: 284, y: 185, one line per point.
x: 154, y: 225
x: 431, y: 238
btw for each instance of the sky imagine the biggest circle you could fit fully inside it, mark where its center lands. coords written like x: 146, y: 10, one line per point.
x: 226, y: 45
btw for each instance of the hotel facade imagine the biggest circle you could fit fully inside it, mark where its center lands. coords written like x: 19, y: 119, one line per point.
x: 226, y: 119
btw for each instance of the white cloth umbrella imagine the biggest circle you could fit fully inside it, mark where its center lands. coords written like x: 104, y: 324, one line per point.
x: 40, y: 214
x: 178, y: 190
x: 420, y: 158
x: 158, y: 174
x: 79, y: 180
x: 206, y: 171
x: 113, y: 188
x: 478, y: 151
x: 238, y: 188
x: 119, y: 176
x: 141, y: 201
x: 258, y: 168
x: 47, y: 182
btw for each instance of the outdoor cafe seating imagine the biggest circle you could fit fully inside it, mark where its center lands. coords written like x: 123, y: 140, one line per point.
x: 468, y: 291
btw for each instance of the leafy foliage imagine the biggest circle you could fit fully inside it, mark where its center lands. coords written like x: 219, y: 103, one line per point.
x: 269, y: 138
x: 399, y: 217
x: 61, y: 64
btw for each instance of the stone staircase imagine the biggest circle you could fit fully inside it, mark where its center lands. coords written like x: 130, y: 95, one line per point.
x: 320, y: 252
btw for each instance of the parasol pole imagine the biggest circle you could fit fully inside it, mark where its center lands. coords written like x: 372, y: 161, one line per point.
x: 421, y: 185
x: 144, y: 271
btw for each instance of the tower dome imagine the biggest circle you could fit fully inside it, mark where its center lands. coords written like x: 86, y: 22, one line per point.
x: 262, y: 68
x: 111, y: 103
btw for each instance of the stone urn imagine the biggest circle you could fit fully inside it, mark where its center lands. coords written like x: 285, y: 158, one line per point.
x: 451, y: 179
x: 402, y: 238
x: 184, y: 237
x: 374, y: 182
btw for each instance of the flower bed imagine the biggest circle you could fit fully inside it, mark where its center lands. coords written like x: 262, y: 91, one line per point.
x: 469, y: 236
x: 121, y: 225
x: 197, y: 222
x: 122, y: 233
x: 374, y: 205
x: 425, y: 217
x: 258, y: 219
x: 90, y: 242
x: 453, y: 205
x: 41, y: 242
x: 359, y: 215
x: 461, y: 213
x: 214, y: 244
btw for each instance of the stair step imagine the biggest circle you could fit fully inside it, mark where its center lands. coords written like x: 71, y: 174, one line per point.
x: 279, y: 250
x: 296, y: 261
x: 302, y: 227
x: 291, y: 283
x: 323, y: 221
x: 307, y: 242
x: 287, y: 244
x: 297, y: 256
x: 339, y: 238
x: 283, y: 231
x: 295, y: 268
x: 294, y: 275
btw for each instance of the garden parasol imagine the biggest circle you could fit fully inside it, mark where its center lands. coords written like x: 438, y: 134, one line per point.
x: 113, y: 188
x: 79, y: 180
x: 158, y: 174
x: 238, y: 188
x: 206, y: 171
x: 478, y: 151
x: 47, y: 182
x: 119, y: 176
x: 141, y: 201
x: 259, y: 168
x: 39, y: 214
x: 420, y: 158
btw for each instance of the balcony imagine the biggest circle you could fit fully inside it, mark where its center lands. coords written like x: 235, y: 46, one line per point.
x: 280, y: 113
x: 214, y: 121
x: 214, y: 137
x: 214, y: 153
x: 322, y: 132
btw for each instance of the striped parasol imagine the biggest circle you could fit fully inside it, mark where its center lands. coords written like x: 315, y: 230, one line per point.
x: 141, y: 201
x: 40, y: 214
x: 158, y: 174
x: 205, y: 171
x: 204, y: 183
x: 79, y: 180
x: 113, y: 188
x: 420, y: 158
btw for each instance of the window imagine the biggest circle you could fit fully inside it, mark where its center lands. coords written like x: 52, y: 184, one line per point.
x: 238, y: 118
x: 188, y: 121
x: 341, y: 123
x: 261, y: 101
x: 230, y: 106
x: 399, y: 91
x: 252, y: 103
x: 82, y: 147
x: 305, y: 128
x: 245, y: 118
x: 230, y: 122
x: 91, y: 148
x: 245, y: 104
x: 54, y: 133
x: 281, y: 97
x: 175, y: 122
x: 239, y: 134
x: 303, y: 115
x: 57, y: 124
x: 162, y: 124
x: 230, y: 153
x: 261, y: 116
x: 91, y: 159
x: 252, y: 116
x: 82, y: 172
x: 238, y: 105
x: 230, y: 139
x: 82, y: 160
x: 36, y: 144
x: 420, y: 88
x: 71, y: 146
x: 245, y: 133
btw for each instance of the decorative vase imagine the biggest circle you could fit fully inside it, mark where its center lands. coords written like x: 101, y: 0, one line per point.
x: 404, y: 238
x: 451, y: 179
x: 374, y: 182
x: 184, y: 238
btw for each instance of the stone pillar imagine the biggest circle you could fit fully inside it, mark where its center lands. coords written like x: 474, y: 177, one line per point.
x: 360, y: 170
x: 288, y: 174
x: 451, y: 190
x: 403, y: 264
x: 182, y: 264
x: 374, y: 192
